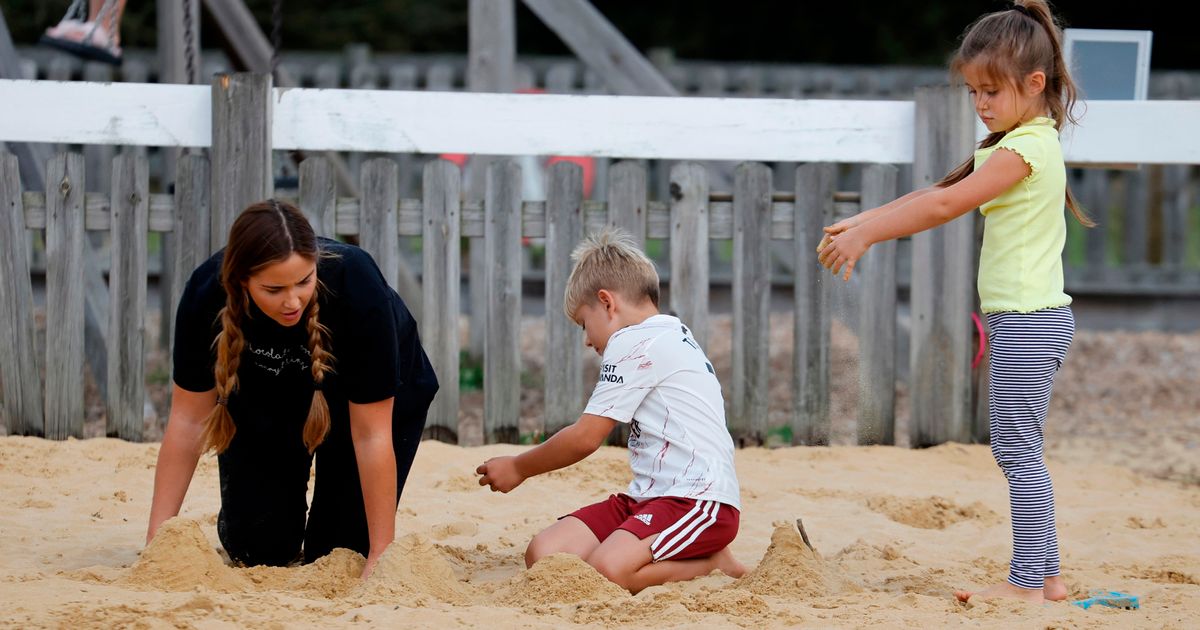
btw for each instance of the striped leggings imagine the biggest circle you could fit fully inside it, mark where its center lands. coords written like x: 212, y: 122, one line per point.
x: 1027, y: 351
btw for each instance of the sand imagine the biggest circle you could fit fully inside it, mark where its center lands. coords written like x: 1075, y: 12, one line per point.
x: 894, y: 531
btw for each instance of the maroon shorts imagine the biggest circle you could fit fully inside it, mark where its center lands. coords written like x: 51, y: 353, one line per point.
x: 686, y: 528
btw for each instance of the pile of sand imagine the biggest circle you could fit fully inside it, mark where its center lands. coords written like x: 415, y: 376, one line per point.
x: 331, y: 577
x: 412, y: 569
x: 180, y: 558
x: 560, y: 578
x: 791, y: 569
x: 929, y: 513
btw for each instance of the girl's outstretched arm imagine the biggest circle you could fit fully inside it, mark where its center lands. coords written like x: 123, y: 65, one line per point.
x: 1002, y: 170
x: 564, y: 448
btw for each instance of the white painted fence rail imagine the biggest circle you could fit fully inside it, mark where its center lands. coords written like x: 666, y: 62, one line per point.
x: 1158, y: 132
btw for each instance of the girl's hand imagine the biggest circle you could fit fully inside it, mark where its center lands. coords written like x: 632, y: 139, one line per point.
x: 369, y: 567
x: 500, y: 473
x: 837, y: 228
x: 842, y: 250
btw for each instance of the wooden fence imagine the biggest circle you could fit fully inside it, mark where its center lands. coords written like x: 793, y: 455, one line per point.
x: 210, y: 191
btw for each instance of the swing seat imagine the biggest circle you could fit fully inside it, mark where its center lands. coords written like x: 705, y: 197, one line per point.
x: 1112, y: 599
x: 94, y: 44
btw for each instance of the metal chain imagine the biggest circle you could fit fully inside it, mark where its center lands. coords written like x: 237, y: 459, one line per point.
x: 276, y: 33
x: 189, y: 42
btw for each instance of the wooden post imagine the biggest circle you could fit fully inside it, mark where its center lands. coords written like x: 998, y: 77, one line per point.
x: 1095, y: 200
x: 689, y: 248
x: 751, y: 301
x: 1176, y: 205
x: 318, y: 195
x: 627, y: 199
x: 64, y: 296
x: 810, y: 381
x: 20, y: 372
x: 877, y: 321
x: 442, y: 205
x: 130, y: 212
x: 491, y: 58
x: 378, y: 233
x: 943, y: 284
x: 241, y: 148
x: 502, y: 351
x: 192, y: 226
x: 1137, y: 213
x: 564, y: 345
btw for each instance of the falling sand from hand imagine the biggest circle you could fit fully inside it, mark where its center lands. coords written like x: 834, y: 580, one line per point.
x: 791, y: 569
x: 180, y: 558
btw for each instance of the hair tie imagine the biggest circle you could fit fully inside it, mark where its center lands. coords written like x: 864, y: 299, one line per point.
x: 317, y: 385
x: 223, y: 401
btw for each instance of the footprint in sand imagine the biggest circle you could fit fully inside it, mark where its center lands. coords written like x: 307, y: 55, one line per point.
x: 929, y: 513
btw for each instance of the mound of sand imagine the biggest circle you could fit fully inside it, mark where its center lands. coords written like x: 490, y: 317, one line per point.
x: 180, y: 558
x: 411, y: 568
x: 929, y: 513
x: 791, y: 569
x: 560, y: 578
x: 330, y: 577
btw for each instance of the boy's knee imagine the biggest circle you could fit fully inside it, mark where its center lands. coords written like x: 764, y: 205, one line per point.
x: 611, y: 570
x: 538, y: 548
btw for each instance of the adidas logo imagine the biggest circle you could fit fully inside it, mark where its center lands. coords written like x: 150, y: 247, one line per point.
x: 644, y: 518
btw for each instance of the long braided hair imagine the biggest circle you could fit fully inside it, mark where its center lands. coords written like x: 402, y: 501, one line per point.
x: 265, y: 233
x: 1012, y: 44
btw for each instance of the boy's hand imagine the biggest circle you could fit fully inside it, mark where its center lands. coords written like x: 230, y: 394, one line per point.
x: 842, y: 250
x: 500, y: 473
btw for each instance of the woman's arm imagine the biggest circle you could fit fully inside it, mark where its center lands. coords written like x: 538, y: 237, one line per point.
x: 179, y: 453
x: 371, y: 432
x: 1002, y: 170
x: 564, y: 448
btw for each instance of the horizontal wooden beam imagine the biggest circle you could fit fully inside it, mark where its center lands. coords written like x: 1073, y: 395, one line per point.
x: 1147, y: 132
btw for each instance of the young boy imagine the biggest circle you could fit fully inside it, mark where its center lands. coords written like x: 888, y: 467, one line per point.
x: 681, y: 510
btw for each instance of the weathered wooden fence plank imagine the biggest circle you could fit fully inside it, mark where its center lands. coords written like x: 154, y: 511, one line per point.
x: 689, y: 248
x: 877, y: 321
x: 64, y: 296
x: 127, y: 285
x: 943, y: 286
x: 241, y: 148
x: 318, y: 195
x: 20, y: 372
x: 442, y: 191
x: 192, y: 227
x: 627, y: 199
x: 502, y: 353
x: 751, y: 302
x: 380, y: 185
x: 564, y: 348
x: 812, y: 314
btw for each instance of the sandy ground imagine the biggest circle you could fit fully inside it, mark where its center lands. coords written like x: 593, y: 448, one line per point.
x: 895, y: 530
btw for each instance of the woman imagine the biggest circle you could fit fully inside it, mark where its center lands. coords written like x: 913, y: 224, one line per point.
x: 288, y: 345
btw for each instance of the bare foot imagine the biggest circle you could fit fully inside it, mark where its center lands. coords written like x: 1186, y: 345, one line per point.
x: 1055, y: 589
x: 1004, y: 590
x: 728, y: 564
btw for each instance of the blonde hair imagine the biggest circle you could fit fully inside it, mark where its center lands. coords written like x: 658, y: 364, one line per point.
x: 610, y: 260
x: 265, y: 233
x: 1012, y: 44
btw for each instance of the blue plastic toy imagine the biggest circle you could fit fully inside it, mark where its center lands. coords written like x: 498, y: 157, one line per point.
x: 1111, y: 599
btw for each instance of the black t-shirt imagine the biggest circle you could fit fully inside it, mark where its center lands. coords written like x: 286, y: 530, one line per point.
x: 372, y: 336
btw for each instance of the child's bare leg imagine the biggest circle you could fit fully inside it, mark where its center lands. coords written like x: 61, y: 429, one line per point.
x: 628, y: 562
x: 568, y: 535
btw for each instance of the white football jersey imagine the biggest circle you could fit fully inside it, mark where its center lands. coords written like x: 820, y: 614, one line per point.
x: 655, y: 377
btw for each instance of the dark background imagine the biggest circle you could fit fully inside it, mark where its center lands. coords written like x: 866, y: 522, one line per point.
x: 848, y: 32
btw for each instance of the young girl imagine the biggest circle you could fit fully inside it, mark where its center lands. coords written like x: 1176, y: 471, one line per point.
x: 1012, y: 64
x: 286, y: 345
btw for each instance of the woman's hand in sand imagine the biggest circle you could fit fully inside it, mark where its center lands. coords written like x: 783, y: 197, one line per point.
x: 369, y: 567
x: 500, y: 473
